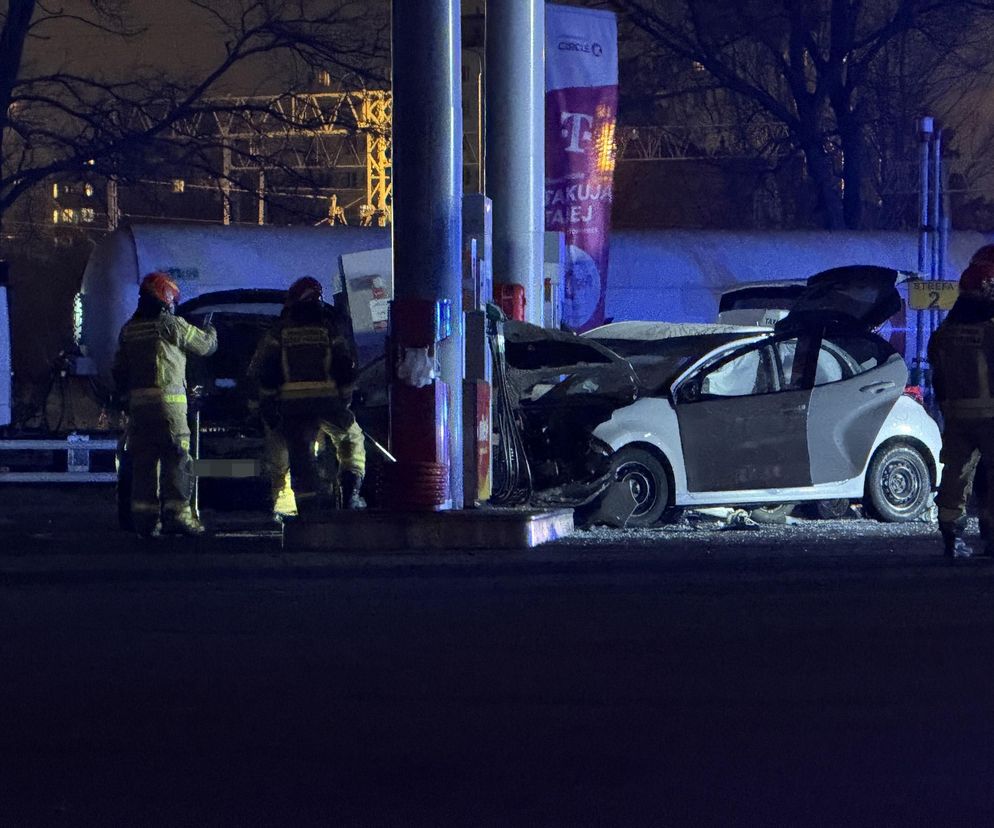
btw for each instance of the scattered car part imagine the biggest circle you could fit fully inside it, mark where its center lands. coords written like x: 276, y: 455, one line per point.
x: 773, y: 513
x: 639, y: 472
x: 615, y: 508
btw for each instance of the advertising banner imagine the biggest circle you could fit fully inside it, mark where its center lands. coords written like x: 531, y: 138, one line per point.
x: 581, y: 103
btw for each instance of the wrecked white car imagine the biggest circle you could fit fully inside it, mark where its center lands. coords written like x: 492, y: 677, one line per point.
x: 633, y: 423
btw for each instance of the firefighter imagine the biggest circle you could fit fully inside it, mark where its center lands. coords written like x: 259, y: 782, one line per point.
x: 275, y: 460
x: 961, y: 354
x: 276, y: 470
x: 150, y: 373
x: 305, y: 375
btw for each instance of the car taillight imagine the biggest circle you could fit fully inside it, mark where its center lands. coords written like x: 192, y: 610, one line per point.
x: 915, y: 392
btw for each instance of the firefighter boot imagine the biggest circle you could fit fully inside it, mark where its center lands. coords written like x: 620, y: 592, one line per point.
x: 182, y: 522
x: 953, y: 545
x: 351, y: 482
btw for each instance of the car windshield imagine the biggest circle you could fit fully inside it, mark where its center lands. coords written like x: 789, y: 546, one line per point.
x: 237, y: 337
x: 657, y: 362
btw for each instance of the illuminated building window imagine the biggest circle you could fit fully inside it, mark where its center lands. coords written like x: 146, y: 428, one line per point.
x: 55, y: 191
x: 88, y: 215
x: 88, y: 190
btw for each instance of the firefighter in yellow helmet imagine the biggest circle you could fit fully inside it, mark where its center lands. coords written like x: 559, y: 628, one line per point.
x: 150, y: 372
x: 961, y: 354
x: 305, y: 375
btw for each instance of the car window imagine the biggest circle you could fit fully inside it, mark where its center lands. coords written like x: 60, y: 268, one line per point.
x: 866, y: 351
x: 744, y: 374
x: 830, y: 366
x: 657, y: 362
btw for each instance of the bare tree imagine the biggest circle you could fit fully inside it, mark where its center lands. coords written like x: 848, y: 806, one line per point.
x: 59, y: 121
x: 841, y: 75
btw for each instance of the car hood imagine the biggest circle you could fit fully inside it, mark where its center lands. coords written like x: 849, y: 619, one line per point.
x: 550, y: 367
x: 852, y: 298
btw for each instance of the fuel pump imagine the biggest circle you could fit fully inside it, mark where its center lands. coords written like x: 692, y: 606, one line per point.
x: 419, y: 480
x: 477, y: 290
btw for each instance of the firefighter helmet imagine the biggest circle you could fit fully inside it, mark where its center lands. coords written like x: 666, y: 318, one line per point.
x: 159, y: 286
x: 978, y: 279
x: 305, y: 289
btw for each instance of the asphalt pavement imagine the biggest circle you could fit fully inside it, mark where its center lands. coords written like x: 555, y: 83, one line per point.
x: 821, y: 673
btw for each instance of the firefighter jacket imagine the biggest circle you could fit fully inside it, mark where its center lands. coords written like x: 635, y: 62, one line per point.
x: 150, y: 365
x: 304, y: 357
x: 961, y: 354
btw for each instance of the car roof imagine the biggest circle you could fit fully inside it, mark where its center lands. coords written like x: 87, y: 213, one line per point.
x: 652, y: 331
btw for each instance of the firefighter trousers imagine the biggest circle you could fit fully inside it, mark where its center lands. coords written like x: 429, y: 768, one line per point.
x: 276, y: 471
x: 302, y: 429
x: 964, y: 442
x: 162, y: 468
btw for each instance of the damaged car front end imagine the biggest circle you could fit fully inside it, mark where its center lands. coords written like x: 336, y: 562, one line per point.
x: 554, y: 389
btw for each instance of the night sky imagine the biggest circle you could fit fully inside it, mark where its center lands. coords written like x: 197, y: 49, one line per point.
x: 178, y: 38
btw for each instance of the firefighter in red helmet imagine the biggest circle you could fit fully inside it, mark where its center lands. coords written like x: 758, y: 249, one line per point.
x: 305, y: 374
x: 961, y: 353
x: 150, y: 373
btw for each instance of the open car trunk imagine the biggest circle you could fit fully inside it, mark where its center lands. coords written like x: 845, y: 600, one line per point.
x: 852, y: 298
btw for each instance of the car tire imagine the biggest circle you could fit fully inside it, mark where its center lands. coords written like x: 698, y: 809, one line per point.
x: 646, y: 473
x: 774, y: 513
x: 898, y: 484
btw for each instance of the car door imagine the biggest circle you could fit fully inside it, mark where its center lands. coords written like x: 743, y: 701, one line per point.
x: 738, y: 429
x: 857, y: 376
x: 847, y: 410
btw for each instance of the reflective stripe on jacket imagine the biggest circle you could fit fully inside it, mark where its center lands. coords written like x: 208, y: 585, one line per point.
x: 150, y: 365
x: 304, y: 359
x: 142, y: 396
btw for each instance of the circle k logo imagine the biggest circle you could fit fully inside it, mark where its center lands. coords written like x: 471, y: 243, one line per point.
x: 594, y: 49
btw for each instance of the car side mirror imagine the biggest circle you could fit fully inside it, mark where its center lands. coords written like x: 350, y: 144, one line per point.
x: 690, y: 391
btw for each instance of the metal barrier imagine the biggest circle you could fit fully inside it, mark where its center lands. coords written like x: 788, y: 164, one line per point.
x: 77, y: 447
